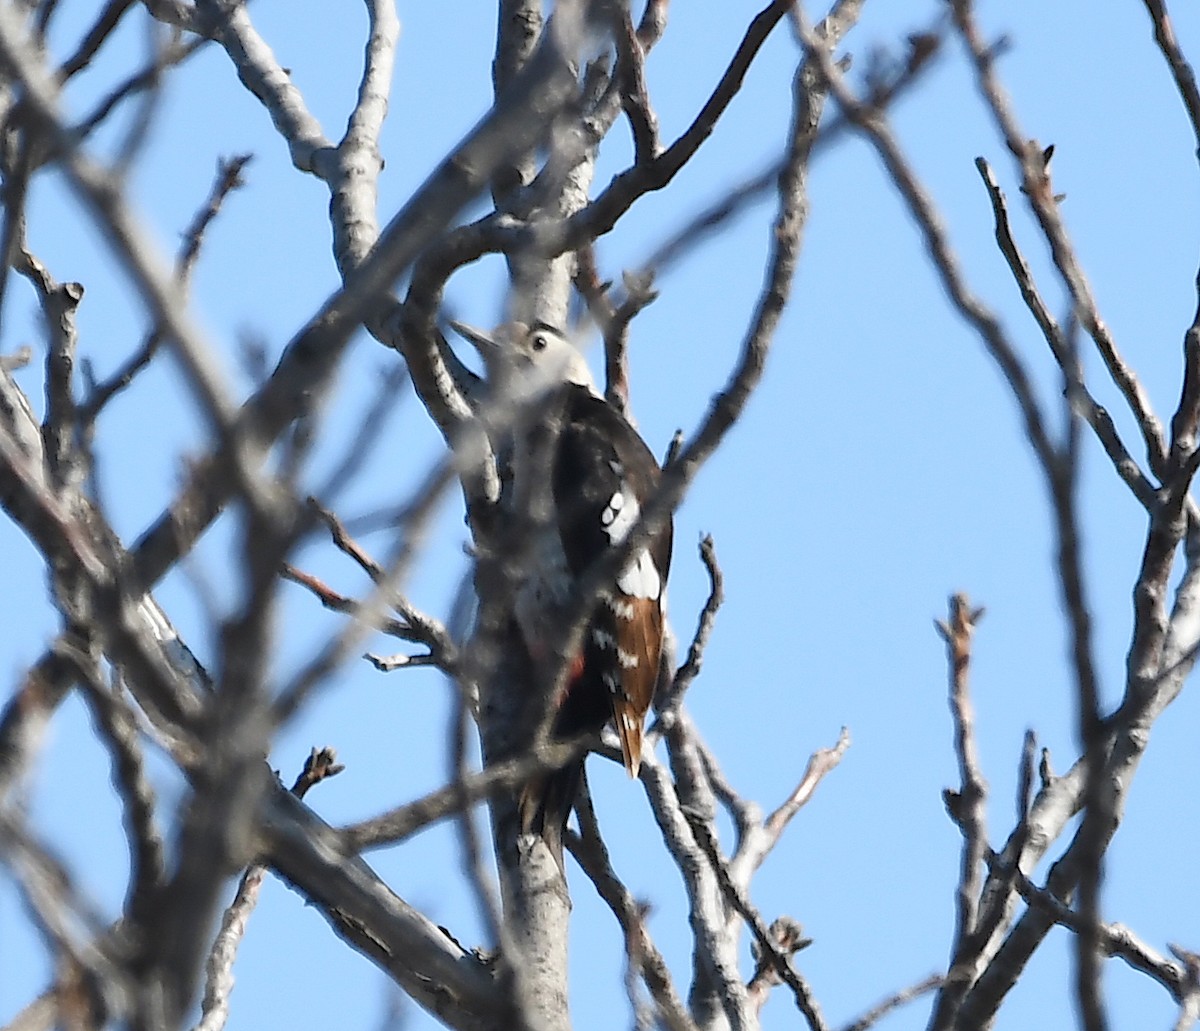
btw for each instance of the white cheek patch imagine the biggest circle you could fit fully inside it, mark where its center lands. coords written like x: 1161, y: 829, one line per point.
x: 640, y: 578
x: 619, y: 514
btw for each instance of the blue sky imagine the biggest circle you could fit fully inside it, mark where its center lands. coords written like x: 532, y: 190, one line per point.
x: 880, y: 467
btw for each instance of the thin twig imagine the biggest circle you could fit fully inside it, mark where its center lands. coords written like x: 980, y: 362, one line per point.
x: 337, y: 602
x: 967, y: 808
x: 473, y: 864
x: 1113, y: 939
x: 590, y: 852
x: 117, y: 727
x: 100, y: 31
x: 1092, y: 412
x: 773, y: 953
x: 345, y: 543
x: 789, y: 938
x: 228, y: 179
x: 820, y: 763
x: 635, y: 96
x: 690, y: 669
x: 174, y: 54
x: 496, y: 778
x: 214, y: 1007
x: 716, y: 981
x: 892, y: 1002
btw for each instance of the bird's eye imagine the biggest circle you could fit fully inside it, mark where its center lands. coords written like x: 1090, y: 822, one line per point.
x: 539, y: 342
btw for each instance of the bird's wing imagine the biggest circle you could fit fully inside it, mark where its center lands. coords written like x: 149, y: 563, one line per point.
x: 603, y: 473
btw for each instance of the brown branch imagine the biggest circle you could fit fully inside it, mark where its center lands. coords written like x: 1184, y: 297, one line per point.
x: 345, y: 542
x: 335, y: 602
x: 639, y: 295
x: 415, y: 625
x: 620, y: 194
x: 228, y: 179
x: 320, y: 765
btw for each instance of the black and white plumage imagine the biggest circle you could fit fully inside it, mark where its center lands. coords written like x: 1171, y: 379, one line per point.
x: 583, y: 473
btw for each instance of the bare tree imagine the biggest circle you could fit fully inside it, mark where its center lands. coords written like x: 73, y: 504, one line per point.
x: 273, y: 470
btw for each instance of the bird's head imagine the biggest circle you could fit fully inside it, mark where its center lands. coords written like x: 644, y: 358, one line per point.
x: 528, y: 359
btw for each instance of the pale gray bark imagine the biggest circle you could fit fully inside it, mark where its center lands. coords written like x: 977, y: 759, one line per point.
x: 561, y: 84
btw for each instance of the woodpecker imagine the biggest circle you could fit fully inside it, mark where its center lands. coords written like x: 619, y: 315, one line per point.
x: 583, y: 473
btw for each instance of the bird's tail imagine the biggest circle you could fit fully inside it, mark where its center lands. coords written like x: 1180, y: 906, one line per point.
x: 545, y: 805
x: 629, y: 730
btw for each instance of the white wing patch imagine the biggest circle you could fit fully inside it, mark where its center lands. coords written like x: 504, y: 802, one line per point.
x: 619, y: 514
x: 640, y: 578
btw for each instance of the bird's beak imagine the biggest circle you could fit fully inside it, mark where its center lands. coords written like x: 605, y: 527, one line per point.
x: 484, y: 343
